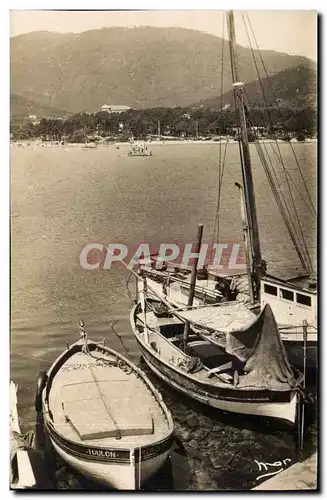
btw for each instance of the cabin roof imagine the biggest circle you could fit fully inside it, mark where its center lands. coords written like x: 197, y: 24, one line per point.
x: 300, y: 282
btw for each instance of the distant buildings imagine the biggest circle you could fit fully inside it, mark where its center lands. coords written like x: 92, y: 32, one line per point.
x: 120, y: 108
x: 33, y: 119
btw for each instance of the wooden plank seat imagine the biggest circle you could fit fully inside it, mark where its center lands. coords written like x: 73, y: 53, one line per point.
x: 176, y: 338
x: 218, y: 371
x: 197, y: 343
x: 100, y: 409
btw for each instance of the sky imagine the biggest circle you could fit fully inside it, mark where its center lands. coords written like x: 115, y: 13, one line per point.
x: 290, y: 31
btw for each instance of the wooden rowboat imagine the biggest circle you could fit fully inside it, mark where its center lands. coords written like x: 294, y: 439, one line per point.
x: 104, y: 417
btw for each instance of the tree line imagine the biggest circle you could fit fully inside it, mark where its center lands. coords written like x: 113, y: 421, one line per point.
x: 173, y: 122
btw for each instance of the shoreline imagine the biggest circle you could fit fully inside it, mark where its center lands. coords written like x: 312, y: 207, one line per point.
x: 117, y: 145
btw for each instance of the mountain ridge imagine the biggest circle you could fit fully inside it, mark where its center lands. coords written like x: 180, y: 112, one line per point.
x: 293, y: 87
x: 22, y: 108
x: 141, y: 67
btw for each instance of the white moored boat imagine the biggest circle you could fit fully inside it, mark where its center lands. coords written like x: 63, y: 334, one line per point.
x: 224, y: 364
x: 103, y: 416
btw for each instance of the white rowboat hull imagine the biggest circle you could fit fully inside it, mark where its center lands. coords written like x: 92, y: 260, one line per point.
x: 118, y: 476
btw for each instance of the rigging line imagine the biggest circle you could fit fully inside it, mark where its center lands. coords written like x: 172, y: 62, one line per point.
x: 262, y: 90
x: 119, y: 338
x: 280, y: 206
x: 278, y: 194
x: 217, y: 216
x: 285, y: 174
x: 223, y: 166
x: 266, y: 116
x: 261, y: 58
x: 129, y: 293
x: 278, y: 191
x: 275, y: 98
x: 258, y: 73
x: 286, y: 212
x: 304, y: 182
x: 310, y: 208
x: 295, y: 209
x: 299, y: 168
x: 281, y: 194
x: 249, y: 117
x: 268, y: 121
x: 216, y: 226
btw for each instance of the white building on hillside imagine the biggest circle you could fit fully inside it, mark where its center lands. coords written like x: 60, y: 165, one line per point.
x: 120, y: 108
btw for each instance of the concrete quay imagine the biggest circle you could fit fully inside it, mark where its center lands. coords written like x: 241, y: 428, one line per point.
x: 300, y: 476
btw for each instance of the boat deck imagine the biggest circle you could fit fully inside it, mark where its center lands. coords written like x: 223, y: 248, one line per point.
x: 90, y: 401
x: 173, y: 355
x: 165, y: 338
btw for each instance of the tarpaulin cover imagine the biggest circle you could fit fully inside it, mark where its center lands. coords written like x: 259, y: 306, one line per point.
x: 226, y: 317
x: 266, y: 364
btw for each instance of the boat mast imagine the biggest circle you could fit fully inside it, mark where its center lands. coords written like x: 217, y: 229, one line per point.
x: 197, y: 129
x: 193, y: 283
x: 250, y: 206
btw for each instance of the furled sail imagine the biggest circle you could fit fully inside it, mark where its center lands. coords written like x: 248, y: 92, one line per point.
x: 265, y: 364
x: 253, y: 342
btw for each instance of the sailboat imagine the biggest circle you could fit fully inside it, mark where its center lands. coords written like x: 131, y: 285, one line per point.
x: 229, y: 359
x: 226, y: 353
x: 292, y: 298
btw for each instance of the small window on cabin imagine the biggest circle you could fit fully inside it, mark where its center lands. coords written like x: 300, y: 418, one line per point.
x: 303, y: 299
x: 271, y: 290
x: 287, y: 294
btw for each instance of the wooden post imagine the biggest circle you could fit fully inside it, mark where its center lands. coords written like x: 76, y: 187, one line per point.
x: 136, y: 289
x: 142, y: 295
x: 193, y: 281
x: 305, y: 335
x: 26, y: 477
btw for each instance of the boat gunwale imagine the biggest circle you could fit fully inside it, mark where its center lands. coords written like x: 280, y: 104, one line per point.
x: 66, y: 443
